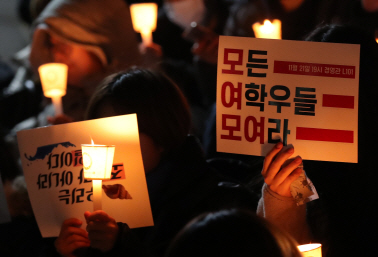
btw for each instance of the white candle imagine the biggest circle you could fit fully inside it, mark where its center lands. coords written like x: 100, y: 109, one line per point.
x: 144, y: 18
x: 311, y: 250
x: 57, y: 102
x: 268, y: 29
x: 97, y: 164
x: 146, y: 37
x: 54, y: 83
x: 97, y: 194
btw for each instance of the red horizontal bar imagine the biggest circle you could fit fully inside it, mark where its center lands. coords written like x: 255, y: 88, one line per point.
x: 329, y: 135
x: 338, y: 101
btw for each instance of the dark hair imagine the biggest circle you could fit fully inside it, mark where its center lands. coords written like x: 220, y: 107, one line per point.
x: 337, y: 33
x: 233, y: 232
x: 161, y: 108
x: 348, y: 175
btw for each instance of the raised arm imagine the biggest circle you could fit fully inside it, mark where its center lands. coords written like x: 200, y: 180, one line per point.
x: 277, y: 204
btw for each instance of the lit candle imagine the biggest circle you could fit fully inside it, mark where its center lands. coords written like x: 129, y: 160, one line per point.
x: 144, y: 18
x: 97, y: 163
x: 268, y: 29
x: 54, y: 83
x: 311, y: 250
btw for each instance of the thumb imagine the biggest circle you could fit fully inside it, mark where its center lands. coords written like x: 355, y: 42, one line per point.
x: 86, y: 215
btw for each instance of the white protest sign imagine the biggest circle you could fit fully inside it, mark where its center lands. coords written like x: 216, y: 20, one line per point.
x: 4, y: 212
x: 302, y: 93
x: 52, y: 164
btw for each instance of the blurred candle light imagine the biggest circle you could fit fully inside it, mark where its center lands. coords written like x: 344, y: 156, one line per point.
x: 268, y: 29
x: 98, y: 164
x: 311, y: 250
x: 144, y: 18
x: 54, y: 83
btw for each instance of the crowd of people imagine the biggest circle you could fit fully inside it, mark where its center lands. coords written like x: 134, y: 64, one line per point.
x: 204, y: 203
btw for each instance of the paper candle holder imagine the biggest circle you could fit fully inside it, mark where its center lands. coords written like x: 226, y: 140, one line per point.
x: 311, y: 250
x: 53, y: 78
x: 144, y: 18
x: 97, y: 165
x: 268, y: 29
x: 54, y: 83
x: 97, y: 160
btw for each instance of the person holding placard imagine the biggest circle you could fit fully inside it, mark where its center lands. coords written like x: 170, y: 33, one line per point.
x: 181, y: 185
x: 180, y: 182
x: 277, y: 204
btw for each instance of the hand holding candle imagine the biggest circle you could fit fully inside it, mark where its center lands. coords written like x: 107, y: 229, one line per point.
x: 72, y: 237
x: 54, y: 83
x: 97, y: 163
x: 102, y: 230
x: 144, y: 18
x: 268, y: 29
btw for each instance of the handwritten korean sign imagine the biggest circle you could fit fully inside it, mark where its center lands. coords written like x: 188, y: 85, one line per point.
x: 53, y: 168
x: 302, y: 93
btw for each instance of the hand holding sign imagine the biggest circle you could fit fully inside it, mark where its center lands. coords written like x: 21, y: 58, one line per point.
x: 279, y: 173
x: 102, y: 230
x: 71, y: 238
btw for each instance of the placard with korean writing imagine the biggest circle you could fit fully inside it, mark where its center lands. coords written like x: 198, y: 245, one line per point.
x: 301, y: 93
x: 53, y: 167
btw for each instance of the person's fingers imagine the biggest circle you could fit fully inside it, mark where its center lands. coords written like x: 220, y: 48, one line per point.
x: 72, y: 227
x: 67, y: 249
x: 71, y: 237
x: 270, y: 156
x: 102, y: 230
x: 105, y: 234
x: 72, y: 222
x: 286, y: 171
x: 78, y: 244
x: 284, y: 187
x: 69, y: 231
x: 77, y: 238
x: 98, y: 216
x: 277, y: 163
x: 86, y: 215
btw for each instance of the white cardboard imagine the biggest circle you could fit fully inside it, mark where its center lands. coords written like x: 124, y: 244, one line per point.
x: 42, y: 151
x: 310, y: 55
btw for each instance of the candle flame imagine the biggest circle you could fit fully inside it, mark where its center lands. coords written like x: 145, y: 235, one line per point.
x: 92, y: 141
x: 267, y: 27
